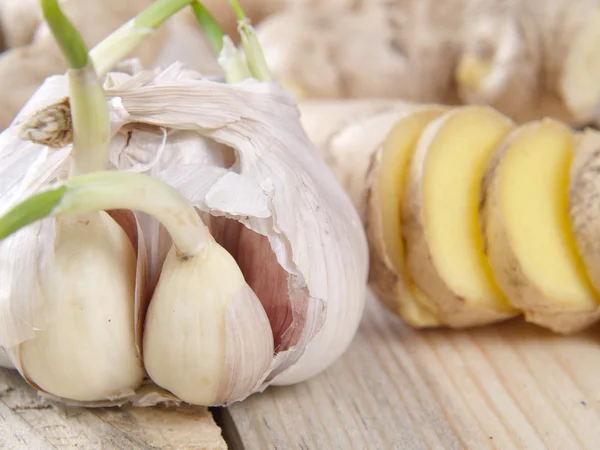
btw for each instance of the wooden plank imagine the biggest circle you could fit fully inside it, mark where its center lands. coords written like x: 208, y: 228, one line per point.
x: 29, y: 422
x: 508, y: 386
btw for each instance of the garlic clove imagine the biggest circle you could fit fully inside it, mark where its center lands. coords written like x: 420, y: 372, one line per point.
x: 207, y: 339
x: 86, y: 351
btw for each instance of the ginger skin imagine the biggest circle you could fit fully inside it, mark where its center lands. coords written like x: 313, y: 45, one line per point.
x: 528, y: 59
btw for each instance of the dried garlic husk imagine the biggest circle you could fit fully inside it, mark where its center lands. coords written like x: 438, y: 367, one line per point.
x: 296, y: 258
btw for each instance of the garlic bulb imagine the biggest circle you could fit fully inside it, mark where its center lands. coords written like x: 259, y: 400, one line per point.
x: 251, y: 260
x: 278, y: 196
x: 278, y: 187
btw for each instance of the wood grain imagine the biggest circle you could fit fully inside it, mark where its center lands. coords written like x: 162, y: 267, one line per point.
x: 28, y: 422
x: 510, y: 386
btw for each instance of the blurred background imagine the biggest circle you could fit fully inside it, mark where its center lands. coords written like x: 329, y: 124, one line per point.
x: 527, y: 58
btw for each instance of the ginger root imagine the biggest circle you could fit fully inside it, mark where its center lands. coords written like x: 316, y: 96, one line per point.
x: 471, y: 219
x: 528, y: 235
x: 390, y: 278
x: 445, y: 252
x: 19, y: 20
x: 527, y: 59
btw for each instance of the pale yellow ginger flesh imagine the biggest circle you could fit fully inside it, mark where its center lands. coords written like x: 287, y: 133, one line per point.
x: 533, y: 198
x: 457, y: 158
x: 395, y: 158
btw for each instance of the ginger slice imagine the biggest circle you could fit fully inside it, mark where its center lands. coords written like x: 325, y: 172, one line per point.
x: 529, y: 239
x: 444, y: 244
x: 389, y: 276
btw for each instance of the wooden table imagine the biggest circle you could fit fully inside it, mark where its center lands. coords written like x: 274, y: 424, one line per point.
x: 510, y: 386
x: 29, y: 423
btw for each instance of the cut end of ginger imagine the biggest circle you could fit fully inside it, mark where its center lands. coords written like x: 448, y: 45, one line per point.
x: 459, y: 147
x: 533, y: 199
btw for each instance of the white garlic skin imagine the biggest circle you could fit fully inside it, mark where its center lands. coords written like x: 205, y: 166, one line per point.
x: 207, y: 338
x: 87, y: 352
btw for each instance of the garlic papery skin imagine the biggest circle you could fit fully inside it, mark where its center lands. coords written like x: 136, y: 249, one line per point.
x: 206, y: 339
x: 87, y: 350
x: 279, y: 187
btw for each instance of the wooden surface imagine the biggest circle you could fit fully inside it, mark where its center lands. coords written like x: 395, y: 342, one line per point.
x: 511, y: 386
x: 28, y: 423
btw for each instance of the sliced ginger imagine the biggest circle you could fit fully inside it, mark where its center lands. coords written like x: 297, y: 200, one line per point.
x: 395, y: 158
x: 530, y: 242
x: 424, y: 179
x: 403, y: 297
x: 456, y: 158
x: 445, y: 251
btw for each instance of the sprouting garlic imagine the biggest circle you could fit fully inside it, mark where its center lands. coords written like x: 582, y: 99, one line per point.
x: 201, y: 298
x: 256, y: 258
x: 66, y: 339
x: 267, y: 196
